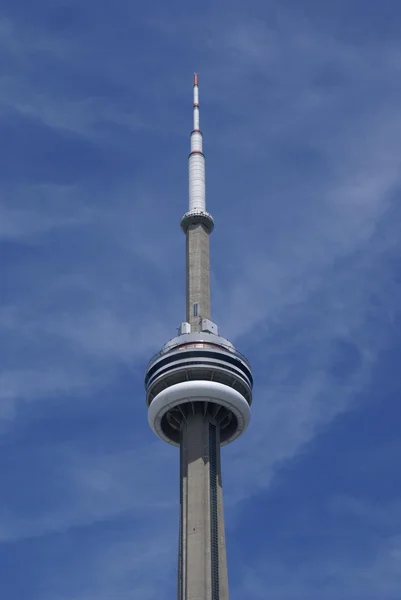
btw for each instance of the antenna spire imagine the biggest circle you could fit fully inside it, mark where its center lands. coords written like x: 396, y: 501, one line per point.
x: 197, y: 199
x: 196, y: 102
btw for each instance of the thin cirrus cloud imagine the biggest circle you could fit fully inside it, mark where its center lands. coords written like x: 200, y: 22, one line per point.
x: 301, y: 129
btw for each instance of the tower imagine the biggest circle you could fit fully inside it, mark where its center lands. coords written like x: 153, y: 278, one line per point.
x: 199, y: 392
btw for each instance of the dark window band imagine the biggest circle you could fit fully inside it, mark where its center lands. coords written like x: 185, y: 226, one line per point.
x: 195, y: 354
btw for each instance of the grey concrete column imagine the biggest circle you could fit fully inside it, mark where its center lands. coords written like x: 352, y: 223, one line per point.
x: 223, y: 578
x: 198, y: 275
x: 202, y: 564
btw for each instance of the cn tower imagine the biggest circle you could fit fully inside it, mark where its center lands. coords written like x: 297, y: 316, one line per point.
x: 199, y: 393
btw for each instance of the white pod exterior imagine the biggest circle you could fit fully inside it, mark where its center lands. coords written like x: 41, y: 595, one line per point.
x: 209, y: 392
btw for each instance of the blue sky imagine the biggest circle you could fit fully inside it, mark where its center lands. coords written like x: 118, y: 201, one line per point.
x: 301, y: 116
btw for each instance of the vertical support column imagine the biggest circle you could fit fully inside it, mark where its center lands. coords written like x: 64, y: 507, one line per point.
x: 223, y: 575
x: 198, y: 275
x: 202, y: 556
x: 214, y: 512
x: 195, y: 519
x: 182, y: 524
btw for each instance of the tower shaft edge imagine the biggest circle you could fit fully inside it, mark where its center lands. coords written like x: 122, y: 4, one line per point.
x: 202, y: 562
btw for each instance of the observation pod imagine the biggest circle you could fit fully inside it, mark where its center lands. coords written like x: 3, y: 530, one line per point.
x: 198, y: 373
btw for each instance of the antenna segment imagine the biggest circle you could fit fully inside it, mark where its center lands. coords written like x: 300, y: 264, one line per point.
x: 197, y: 197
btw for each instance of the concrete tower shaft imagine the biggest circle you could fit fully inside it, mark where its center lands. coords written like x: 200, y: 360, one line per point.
x: 198, y: 275
x: 202, y: 565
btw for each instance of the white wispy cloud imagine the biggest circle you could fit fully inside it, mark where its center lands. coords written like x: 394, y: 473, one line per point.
x: 19, y: 385
x: 99, y: 485
x: 376, y: 575
x: 118, y: 568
